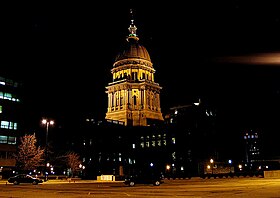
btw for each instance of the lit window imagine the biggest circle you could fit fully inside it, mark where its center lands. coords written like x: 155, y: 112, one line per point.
x: 173, y: 140
x: 8, y: 96
x: 147, y: 144
x: 4, y: 124
x: 153, y: 143
x: 15, y: 126
x: 176, y: 112
x: 11, y: 125
x: 133, y: 146
x: 8, y: 125
x: 159, y: 142
x: 142, y: 144
x: 3, y: 139
x: 12, y: 140
x: 0, y: 109
x: 164, y: 142
x: 174, y: 155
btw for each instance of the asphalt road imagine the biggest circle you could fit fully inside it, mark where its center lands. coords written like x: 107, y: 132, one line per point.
x: 196, y: 187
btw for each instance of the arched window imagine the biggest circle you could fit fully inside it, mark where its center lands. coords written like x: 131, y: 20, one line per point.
x: 134, y: 100
x: 121, y: 102
x: 117, y: 100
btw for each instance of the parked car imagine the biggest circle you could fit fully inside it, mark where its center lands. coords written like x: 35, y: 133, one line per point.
x: 24, y: 178
x: 131, y: 180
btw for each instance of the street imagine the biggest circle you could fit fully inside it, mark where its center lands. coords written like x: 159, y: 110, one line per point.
x: 195, y: 187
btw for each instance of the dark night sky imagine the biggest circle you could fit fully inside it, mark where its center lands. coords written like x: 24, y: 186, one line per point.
x: 64, y: 52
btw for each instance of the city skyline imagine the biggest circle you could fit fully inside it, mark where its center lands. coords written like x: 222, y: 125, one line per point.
x: 202, y: 51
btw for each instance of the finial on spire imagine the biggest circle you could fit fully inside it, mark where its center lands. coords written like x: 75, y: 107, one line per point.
x: 131, y: 13
x: 132, y: 28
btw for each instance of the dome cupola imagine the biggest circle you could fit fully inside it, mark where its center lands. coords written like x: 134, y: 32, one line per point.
x: 133, y: 49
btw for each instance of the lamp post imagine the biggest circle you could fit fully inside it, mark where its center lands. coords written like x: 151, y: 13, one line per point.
x: 212, y: 161
x: 47, y: 123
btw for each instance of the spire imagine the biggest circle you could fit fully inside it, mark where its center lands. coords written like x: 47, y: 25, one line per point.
x: 132, y: 28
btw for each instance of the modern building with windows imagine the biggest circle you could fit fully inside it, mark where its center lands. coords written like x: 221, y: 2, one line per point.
x: 194, y: 139
x: 252, y: 146
x: 10, y: 113
x: 175, y: 148
x: 110, y: 148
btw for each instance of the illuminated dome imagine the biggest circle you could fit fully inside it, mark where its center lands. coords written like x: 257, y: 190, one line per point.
x: 133, y: 50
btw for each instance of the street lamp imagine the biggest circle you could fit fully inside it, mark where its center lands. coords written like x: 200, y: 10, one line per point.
x: 47, y: 123
x: 230, y: 162
x: 212, y: 161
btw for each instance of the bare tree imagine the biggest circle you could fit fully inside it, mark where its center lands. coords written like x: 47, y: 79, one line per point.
x: 73, y: 162
x: 29, y: 156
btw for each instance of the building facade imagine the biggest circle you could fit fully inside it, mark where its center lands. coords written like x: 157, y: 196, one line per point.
x: 10, y: 108
x: 252, y: 146
x: 191, y: 129
x: 133, y: 96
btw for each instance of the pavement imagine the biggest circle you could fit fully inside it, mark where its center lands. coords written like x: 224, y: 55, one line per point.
x: 53, y: 181
x: 77, y: 180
